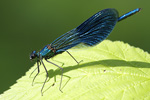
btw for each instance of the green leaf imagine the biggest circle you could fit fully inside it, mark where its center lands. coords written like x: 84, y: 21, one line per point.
x: 109, y: 71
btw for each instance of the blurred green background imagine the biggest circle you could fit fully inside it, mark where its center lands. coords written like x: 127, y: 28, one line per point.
x: 27, y: 25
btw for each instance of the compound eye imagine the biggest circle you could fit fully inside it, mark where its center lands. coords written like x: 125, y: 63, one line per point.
x: 33, y: 55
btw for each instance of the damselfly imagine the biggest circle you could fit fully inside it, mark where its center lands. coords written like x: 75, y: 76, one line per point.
x: 91, y: 32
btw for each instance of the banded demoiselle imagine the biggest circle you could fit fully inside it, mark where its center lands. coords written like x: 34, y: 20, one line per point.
x: 91, y: 32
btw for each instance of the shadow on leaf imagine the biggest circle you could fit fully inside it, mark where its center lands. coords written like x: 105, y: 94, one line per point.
x: 106, y: 63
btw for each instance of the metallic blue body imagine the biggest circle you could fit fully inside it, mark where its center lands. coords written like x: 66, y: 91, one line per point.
x: 129, y: 14
x: 45, y: 51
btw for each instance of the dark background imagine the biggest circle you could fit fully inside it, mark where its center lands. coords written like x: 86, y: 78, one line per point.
x: 27, y: 25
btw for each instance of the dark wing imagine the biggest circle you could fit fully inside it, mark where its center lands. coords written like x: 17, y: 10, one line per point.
x: 66, y: 41
x: 98, y: 27
x: 91, y: 32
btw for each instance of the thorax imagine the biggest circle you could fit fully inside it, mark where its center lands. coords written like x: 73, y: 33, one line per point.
x: 48, y: 51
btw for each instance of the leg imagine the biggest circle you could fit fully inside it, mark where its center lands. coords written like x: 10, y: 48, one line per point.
x: 33, y: 71
x: 61, y: 73
x: 37, y: 73
x: 73, y: 57
x: 46, y: 77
